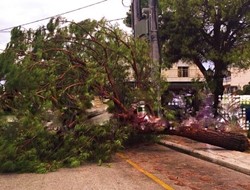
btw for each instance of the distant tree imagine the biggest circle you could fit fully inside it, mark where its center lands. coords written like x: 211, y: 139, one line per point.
x: 246, y: 89
x: 204, y: 31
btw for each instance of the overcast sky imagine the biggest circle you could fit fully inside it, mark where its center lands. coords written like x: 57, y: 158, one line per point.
x: 18, y: 12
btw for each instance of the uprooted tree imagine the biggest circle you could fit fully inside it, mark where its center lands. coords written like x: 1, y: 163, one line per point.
x: 56, y: 70
x: 67, y: 66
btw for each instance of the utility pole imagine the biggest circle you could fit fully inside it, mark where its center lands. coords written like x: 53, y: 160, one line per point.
x: 149, y: 27
x: 155, y: 50
x: 155, y: 55
x: 135, y: 14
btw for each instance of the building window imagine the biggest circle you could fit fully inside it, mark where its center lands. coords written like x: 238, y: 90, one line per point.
x: 182, y: 71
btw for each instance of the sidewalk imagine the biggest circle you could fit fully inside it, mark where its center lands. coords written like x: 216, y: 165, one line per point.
x: 239, y: 161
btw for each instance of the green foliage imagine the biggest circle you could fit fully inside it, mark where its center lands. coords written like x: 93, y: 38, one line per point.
x: 58, y: 69
x: 206, y: 31
x: 201, y: 30
x: 246, y: 89
x: 68, y: 65
x: 29, y: 147
x: 140, y: 138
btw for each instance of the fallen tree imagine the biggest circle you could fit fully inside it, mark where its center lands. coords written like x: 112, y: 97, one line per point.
x: 227, y: 140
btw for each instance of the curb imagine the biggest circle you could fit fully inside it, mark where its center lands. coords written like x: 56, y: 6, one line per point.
x: 204, y: 156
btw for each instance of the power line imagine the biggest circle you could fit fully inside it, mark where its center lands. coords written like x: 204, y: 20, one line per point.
x: 4, y: 31
x: 107, y: 21
x: 124, y: 4
x: 9, y: 28
x: 116, y: 19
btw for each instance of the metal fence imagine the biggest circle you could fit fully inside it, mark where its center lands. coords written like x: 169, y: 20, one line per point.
x: 236, y: 108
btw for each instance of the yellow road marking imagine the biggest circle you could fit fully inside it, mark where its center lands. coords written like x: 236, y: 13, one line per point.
x: 151, y: 176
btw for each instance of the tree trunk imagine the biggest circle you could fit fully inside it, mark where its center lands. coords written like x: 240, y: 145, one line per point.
x: 218, y: 90
x: 227, y: 140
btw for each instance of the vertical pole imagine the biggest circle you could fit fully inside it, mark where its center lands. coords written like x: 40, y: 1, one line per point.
x: 135, y: 13
x: 155, y: 50
x: 154, y: 31
x: 153, y: 40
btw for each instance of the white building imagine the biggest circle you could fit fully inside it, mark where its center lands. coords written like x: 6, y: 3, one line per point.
x: 236, y: 80
x: 181, y: 75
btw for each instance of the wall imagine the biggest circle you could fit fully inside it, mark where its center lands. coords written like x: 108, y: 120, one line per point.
x: 171, y: 75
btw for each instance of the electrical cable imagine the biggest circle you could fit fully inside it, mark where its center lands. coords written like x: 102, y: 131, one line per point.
x: 124, y: 4
x: 107, y: 21
x: 9, y: 28
x: 116, y: 19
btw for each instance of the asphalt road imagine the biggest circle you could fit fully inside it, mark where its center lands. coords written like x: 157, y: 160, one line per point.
x: 118, y: 175
x: 142, y: 167
x: 185, y: 172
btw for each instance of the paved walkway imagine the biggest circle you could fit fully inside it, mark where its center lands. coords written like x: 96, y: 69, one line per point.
x: 239, y: 161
